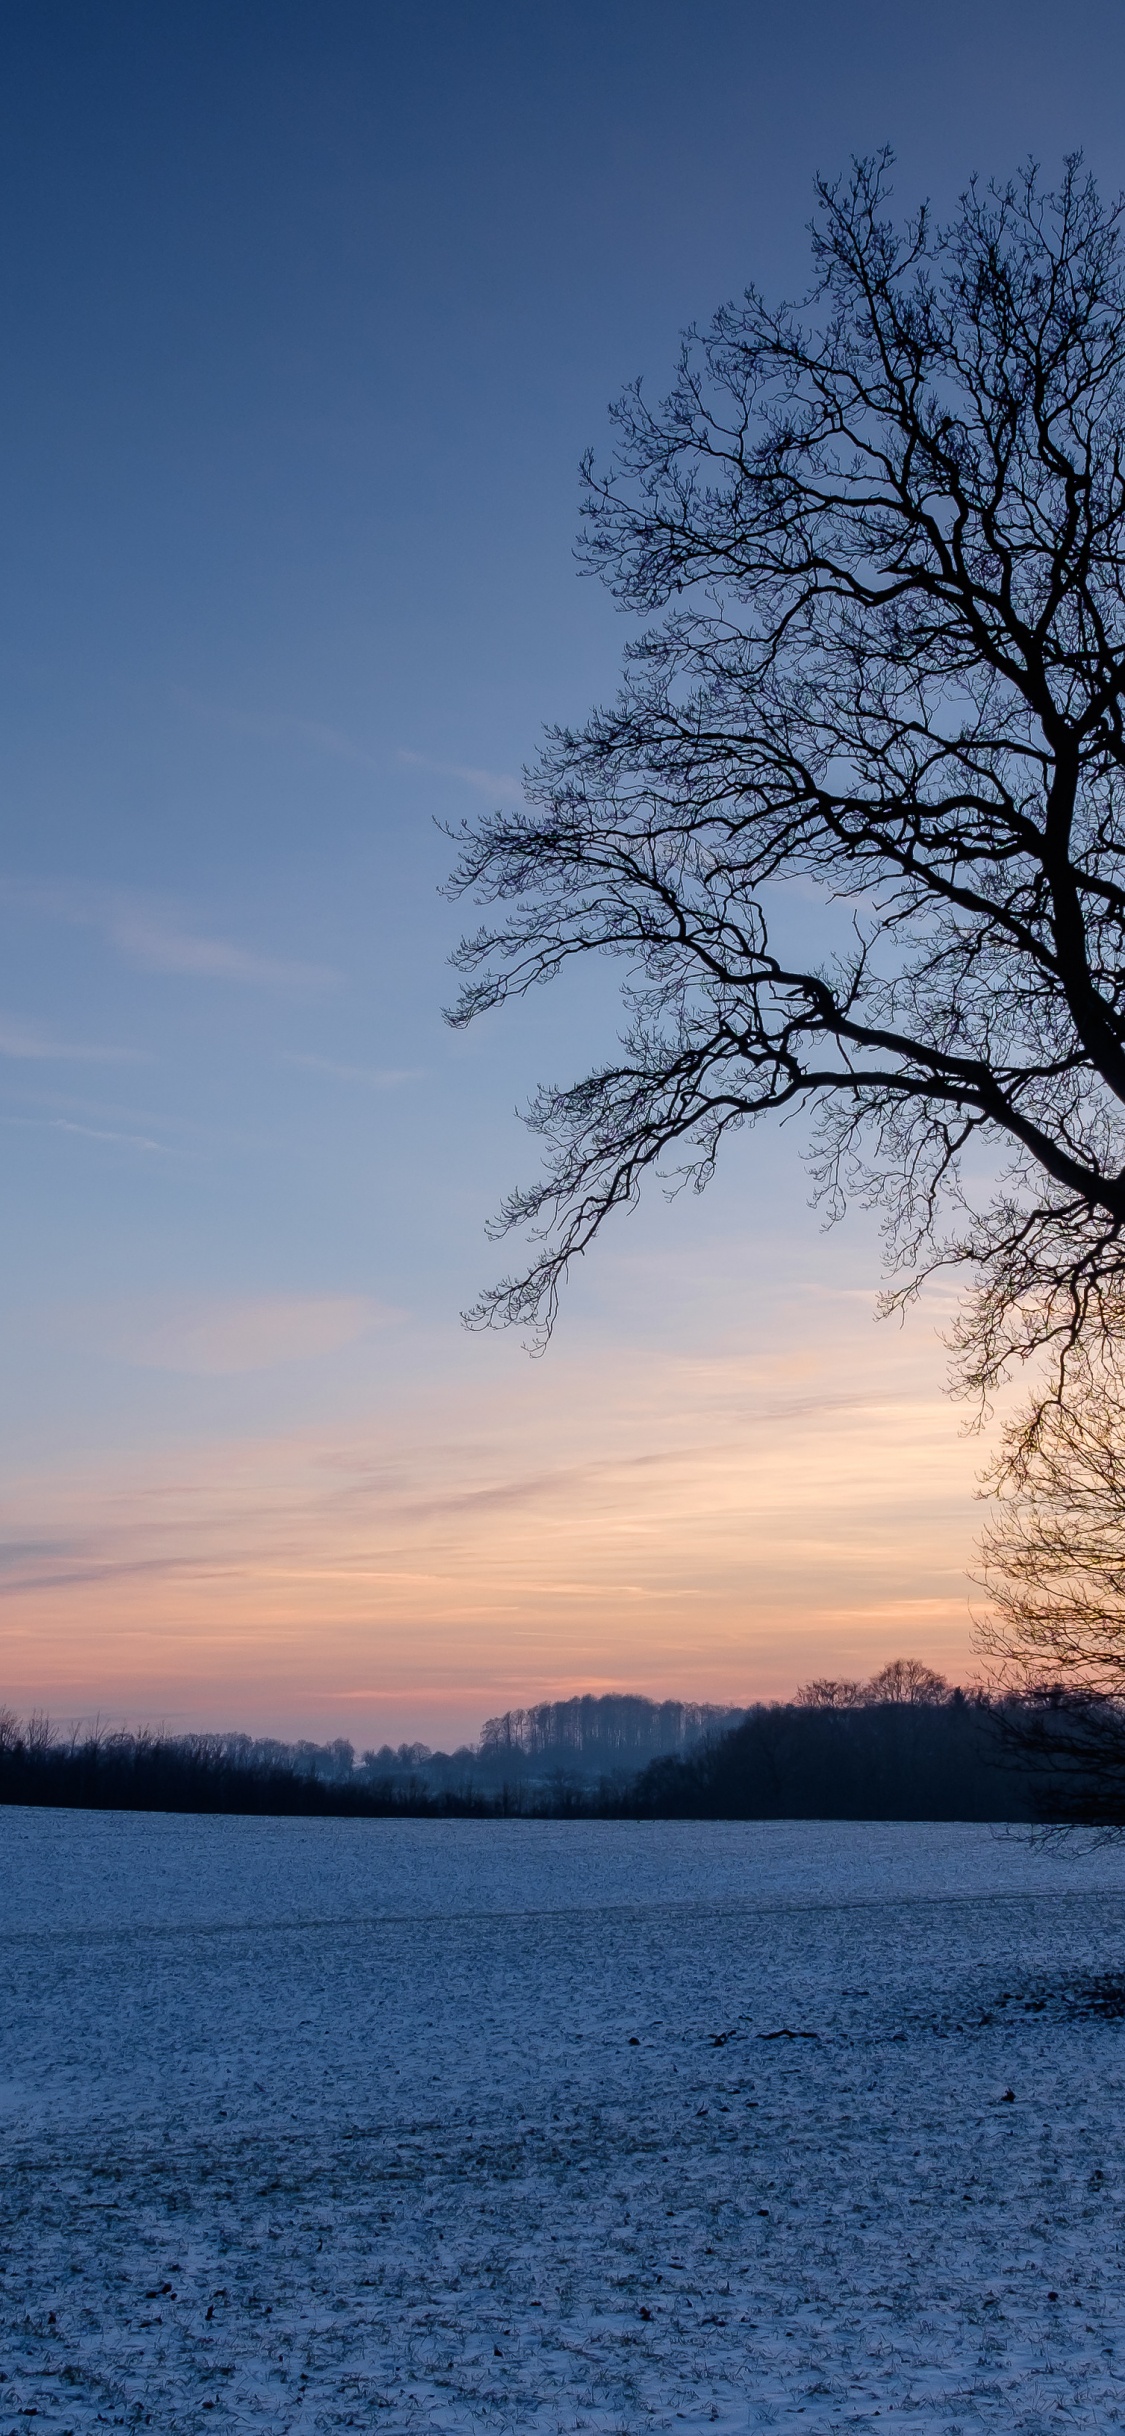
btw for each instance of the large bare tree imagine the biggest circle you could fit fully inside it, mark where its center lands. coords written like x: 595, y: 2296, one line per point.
x: 1054, y: 1573
x: 878, y: 539
x: 1054, y: 1548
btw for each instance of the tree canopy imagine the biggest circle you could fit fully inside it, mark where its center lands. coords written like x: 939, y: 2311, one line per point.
x: 878, y: 542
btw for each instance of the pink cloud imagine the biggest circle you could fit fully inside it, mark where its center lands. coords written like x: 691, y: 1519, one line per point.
x: 716, y: 1526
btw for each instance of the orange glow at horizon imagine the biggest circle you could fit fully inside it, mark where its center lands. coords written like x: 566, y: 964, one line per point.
x: 717, y: 1527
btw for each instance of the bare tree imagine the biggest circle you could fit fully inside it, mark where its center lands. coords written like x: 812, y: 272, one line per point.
x: 831, y: 1692
x: 907, y: 1683
x: 902, y: 1683
x: 1054, y: 1550
x: 1054, y: 1572
x: 880, y: 539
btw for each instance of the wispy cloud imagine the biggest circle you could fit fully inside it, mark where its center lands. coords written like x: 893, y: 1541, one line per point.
x: 160, y: 948
x: 330, y: 740
x: 320, y: 736
x: 155, y: 938
x: 216, y: 1337
x: 284, y: 728
x: 484, y: 782
x: 26, y: 1040
x: 89, y: 1133
x: 482, y: 1542
x: 103, y: 1133
x: 377, y: 1078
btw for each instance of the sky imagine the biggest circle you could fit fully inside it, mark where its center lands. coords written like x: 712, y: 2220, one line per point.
x: 309, y: 313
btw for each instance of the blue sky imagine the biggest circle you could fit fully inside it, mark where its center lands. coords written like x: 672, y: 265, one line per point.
x: 309, y: 314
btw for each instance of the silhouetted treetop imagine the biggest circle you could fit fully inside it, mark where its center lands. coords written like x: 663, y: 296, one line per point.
x: 878, y: 538
x: 901, y: 1683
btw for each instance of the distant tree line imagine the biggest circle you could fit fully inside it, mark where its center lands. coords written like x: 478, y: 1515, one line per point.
x: 196, y: 1772
x: 910, y: 1748
x: 905, y: 1745
x: 589, y: 1739
x: 551, y: 1759
x: 601, y: 1734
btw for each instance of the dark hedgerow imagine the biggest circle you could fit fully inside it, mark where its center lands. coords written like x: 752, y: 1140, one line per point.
x: 848, y: 1756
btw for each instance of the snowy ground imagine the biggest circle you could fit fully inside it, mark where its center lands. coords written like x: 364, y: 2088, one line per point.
x: 414, y: 2126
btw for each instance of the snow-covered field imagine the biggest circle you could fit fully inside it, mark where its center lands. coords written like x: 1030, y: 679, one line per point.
x: 314, y: 2124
